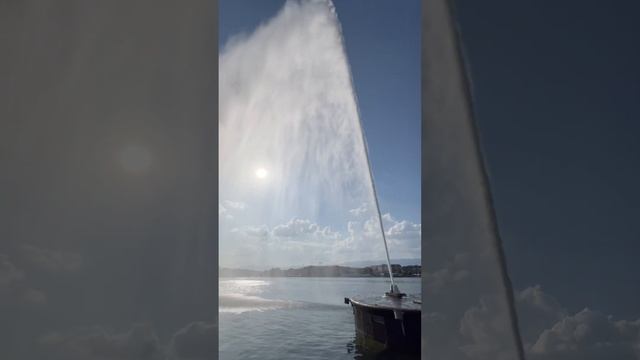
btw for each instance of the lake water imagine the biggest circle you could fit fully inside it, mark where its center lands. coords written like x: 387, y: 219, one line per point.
x: 296, y: 318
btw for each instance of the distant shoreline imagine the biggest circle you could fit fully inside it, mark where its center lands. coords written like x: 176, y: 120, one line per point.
x: 328, y: 271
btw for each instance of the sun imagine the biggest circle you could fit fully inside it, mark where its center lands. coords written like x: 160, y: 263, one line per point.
x: 261, y: 173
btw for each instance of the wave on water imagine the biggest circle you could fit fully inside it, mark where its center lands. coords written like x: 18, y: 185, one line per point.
x: 239, y: 303
x: 242, y: 295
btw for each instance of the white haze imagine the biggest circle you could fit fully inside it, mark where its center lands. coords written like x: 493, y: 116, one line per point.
x: 288, y: 111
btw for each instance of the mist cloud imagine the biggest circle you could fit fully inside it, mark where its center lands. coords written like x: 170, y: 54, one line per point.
x: 287, y: 105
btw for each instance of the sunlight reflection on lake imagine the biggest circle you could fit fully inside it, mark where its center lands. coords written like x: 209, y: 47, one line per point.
x: 295, y: 318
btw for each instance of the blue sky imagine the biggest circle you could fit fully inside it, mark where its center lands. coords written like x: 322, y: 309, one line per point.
x: 556, y: 89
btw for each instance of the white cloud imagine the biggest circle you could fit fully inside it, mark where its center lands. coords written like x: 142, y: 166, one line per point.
x: 548, y: 331
x: 235, y: 205
x: 589, y: 335
x: 303, y: 242
x: 223, y: 213
x: 261, y: 232
x: 295, y: 228
x: 404, y: 230
x: 404, y: 235
x: 456, y: 271
x: 229, y: 209
x: 360, y: 211
x: 483, y: 326
x: 363, y: 240
x: 538, y: 311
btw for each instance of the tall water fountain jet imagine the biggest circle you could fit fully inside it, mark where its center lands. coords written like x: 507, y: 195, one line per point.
x: 293, y: 161
x: 469, y: 308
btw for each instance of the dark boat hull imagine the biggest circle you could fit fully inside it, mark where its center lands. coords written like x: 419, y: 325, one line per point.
x: 392, y: 329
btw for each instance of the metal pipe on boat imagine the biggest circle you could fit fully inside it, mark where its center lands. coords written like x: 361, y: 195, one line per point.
x: 394, y: 288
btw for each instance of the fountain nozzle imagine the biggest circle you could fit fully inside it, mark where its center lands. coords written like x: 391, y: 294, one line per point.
x: 395, y: 292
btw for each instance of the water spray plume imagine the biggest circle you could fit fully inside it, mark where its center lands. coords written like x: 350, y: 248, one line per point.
x: 288, y: 113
